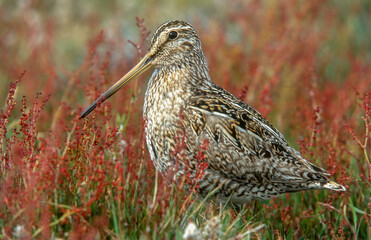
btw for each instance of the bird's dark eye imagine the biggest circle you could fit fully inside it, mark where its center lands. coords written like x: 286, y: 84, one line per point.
x: 173, y: 35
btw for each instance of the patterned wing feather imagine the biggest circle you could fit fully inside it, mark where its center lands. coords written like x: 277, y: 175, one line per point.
x: 243, y: 144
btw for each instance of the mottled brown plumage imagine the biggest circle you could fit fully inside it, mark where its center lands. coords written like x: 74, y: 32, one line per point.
x: 247, y: 158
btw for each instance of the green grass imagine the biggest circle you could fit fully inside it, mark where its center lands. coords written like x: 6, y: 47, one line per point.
x: 303, y: 64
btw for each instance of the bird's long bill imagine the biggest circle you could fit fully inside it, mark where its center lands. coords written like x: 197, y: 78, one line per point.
x: 141, y: 67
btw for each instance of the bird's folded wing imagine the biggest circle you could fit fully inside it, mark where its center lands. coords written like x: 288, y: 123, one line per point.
x: 243, y: 143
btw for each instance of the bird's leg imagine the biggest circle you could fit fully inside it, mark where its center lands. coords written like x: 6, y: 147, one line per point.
x: 237, y: 207
x: 255, y: 210
x: 221, y: 207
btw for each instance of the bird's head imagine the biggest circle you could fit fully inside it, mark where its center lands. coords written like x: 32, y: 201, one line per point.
x: 174, y: 43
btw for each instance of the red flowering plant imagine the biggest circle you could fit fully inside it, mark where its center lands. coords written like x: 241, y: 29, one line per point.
x: 303, y: 64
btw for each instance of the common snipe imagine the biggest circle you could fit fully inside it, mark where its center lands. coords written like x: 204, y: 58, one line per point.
x: 247, y: 157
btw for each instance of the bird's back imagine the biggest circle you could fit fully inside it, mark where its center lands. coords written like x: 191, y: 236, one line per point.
x: 246, y: 155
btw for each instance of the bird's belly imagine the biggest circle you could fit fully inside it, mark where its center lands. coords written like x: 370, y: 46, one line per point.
x: 164, y: 133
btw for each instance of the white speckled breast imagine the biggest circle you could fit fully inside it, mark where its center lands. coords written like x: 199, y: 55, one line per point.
x: 163, y: 101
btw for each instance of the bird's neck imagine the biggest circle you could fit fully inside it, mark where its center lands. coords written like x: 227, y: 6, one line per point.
x: 190, y: 71
x: 170, y: 83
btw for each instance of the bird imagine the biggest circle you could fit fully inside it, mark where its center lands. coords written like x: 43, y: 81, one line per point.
x: 197, y: 129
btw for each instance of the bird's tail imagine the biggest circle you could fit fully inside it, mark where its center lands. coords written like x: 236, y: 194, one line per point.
x: 327, y: 185
x: 334, y: 186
